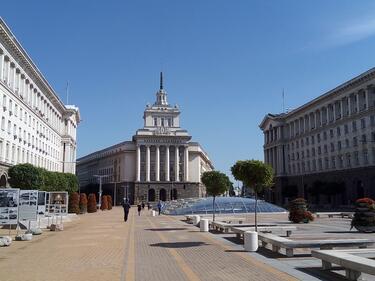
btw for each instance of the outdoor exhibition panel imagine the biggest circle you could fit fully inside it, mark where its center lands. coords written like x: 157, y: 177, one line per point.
x: 57, y: 202
x: 28, y: 205
x: 41, y: 202
x: 9, y: 206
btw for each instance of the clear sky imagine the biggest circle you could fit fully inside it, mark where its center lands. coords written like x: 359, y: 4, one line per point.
x: 224, y: 62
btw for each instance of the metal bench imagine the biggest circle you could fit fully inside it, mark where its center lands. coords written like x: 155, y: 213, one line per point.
x: 278, y: 242
x: 355, y: 261
x: 334, y: 214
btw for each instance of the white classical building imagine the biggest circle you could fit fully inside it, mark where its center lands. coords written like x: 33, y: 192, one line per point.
x: 160, y: 163
x: 327, y: 143
x: 36, y: 127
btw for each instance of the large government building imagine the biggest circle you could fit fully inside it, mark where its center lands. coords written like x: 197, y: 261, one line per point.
x: 325, y: 149
x: 159, y: 163
x: 36, y: 127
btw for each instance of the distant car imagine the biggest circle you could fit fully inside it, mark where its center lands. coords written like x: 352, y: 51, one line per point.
x: 12, y: 216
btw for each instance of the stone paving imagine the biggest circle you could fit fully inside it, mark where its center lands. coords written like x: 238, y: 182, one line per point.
x: 101, y: 246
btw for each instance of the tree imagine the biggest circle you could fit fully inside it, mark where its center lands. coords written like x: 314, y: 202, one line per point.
x: 104, y: 202
x: 72, y: 182
x: 83, y: 203
x: 256, y: 175
x: 91, y: 205
x: 216, y: 184
x: 25, y: 176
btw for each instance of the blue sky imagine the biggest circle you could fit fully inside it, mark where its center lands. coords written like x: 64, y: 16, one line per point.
x: 225, y: 62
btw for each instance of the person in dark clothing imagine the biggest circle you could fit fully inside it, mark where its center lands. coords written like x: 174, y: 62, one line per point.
x: 159, y: 207
x: 148, y: 206
x: 143, y: 205
x: 126, y: 206
x: 139, y: 206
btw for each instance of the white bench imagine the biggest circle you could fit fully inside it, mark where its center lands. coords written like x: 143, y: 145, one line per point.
x: 263, y: 228
x: 278, y: 242
x: 226, y: 227
x: 355, y: 261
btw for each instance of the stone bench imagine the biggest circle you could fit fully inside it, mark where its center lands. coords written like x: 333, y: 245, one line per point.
x: 263, y: 228
x: 334, y: 214
x: 278, y: 242
x: 226, y: 227
x: 355, y: 261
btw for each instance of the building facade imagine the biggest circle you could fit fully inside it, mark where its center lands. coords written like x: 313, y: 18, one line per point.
x: 36, y: 127
x: 160, y: 163
x: 325, y: 149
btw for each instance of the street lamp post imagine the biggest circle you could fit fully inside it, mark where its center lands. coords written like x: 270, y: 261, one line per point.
x: 100, y: 187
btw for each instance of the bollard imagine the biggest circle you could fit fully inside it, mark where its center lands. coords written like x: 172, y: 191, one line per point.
x: 250, y: 241
x: 204, y: 225
x: 196, y: 219
x: 153, y: 213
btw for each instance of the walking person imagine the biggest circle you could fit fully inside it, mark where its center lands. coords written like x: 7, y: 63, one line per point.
x: 159, y: 207
x: 148, y: 206
x: 126, y: 206
x: 139, y: 206
x: 143, y: 205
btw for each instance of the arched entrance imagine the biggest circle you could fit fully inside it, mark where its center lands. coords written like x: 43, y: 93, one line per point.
x: 174, y: 194
x: 151, y: 195
x: 163, y: 194
x: 360, y: 189
x: 3, y: 181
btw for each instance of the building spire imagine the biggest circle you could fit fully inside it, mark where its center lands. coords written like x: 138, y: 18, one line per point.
x: 161, y: 80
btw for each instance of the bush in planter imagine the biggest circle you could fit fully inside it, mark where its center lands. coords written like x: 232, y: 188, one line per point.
x: 109, y: 202
x: 364, y: 216
x: 298, y: 211
x: 91, y: 205
x: 83, y: 203
x: 73, y: 206
x: 104, y: 205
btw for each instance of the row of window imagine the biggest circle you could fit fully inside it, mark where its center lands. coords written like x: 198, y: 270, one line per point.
x: 29, y: 139
x: 331, y: 133
x: 342, y: 161
x: 23, y: 87
x: 9, y: 153
x: 163, y: 122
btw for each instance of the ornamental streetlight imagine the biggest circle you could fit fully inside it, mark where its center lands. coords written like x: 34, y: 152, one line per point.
x: 100, y: 187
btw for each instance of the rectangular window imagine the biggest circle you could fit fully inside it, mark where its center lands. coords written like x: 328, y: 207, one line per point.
x: 325, y: 135
x: 155, y: 122
x: 338, y: 131
x: 355, y: 141
x: 346, y: 129
x: 331, y: 133
x: 339, y: 145
x: 363, y: 123
x: 354, y: 124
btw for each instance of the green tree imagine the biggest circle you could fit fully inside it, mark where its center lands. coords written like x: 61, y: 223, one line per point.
x: 25, y: 176
x: 216, y: 184
x: 256, y: 175
x: 72, y: 182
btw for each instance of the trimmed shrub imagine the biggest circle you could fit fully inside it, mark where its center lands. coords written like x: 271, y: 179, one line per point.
x: 298, y: 211
x: 104, y: 205
x: 364, y: 216
x: 83, y: 203
x: 91, y: 205
x: 73, y: 206
x: 109, y: 202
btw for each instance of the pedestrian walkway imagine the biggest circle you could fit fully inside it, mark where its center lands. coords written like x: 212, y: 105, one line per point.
x: 101, y: 246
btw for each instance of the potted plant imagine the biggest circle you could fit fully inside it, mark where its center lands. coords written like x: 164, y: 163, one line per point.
x: 91, y: 205
x: 298, y: 211
x: 83, y: 203
x: 364, y: 216
x: 73, y: 206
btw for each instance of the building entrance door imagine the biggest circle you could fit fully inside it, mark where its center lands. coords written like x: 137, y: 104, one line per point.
x: 163, y: 194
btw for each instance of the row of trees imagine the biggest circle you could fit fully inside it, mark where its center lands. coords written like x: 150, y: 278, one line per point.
x: 27, y: 176
x: 253, y: 173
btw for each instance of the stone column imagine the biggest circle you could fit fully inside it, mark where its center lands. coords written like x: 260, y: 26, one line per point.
x: 1, y: 67
x: 14, y: 70
x: 8, y: 73
x: 157, y: 163
x: 176, y: 163
x: 349, y: 106
x: 147, y: 163
x: 366, y: 97
x: 341, y: 109
x: 138, y: 163
x: 357, y: 97
x: 167, y: 163
x: 186, y: 155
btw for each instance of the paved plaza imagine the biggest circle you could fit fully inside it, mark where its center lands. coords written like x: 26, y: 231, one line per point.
x: 101, y: 246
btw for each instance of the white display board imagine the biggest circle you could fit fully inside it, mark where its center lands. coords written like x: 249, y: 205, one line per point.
x: 41, y: 202
x: 57, y: 203
x: 9, y: 206
x: 28, y: 205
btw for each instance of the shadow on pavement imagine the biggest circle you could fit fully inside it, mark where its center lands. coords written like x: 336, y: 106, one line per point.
x: 325, y: 275
x: 179, y: 244
x: 165, y: 229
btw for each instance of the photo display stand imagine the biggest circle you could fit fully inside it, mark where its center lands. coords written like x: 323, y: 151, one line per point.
x: 9, y: 201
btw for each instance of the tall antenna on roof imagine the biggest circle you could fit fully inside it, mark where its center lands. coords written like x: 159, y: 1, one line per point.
x: 161, y: 80
x: 283, y: 97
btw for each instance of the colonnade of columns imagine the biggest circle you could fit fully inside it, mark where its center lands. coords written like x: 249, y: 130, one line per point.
x: 167, y: 163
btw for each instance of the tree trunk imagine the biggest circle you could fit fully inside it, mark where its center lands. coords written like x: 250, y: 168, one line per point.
x: 256, y: 212
x: 213, y: 206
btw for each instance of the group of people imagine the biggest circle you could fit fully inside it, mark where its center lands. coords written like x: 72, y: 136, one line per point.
x: 140, y: 207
